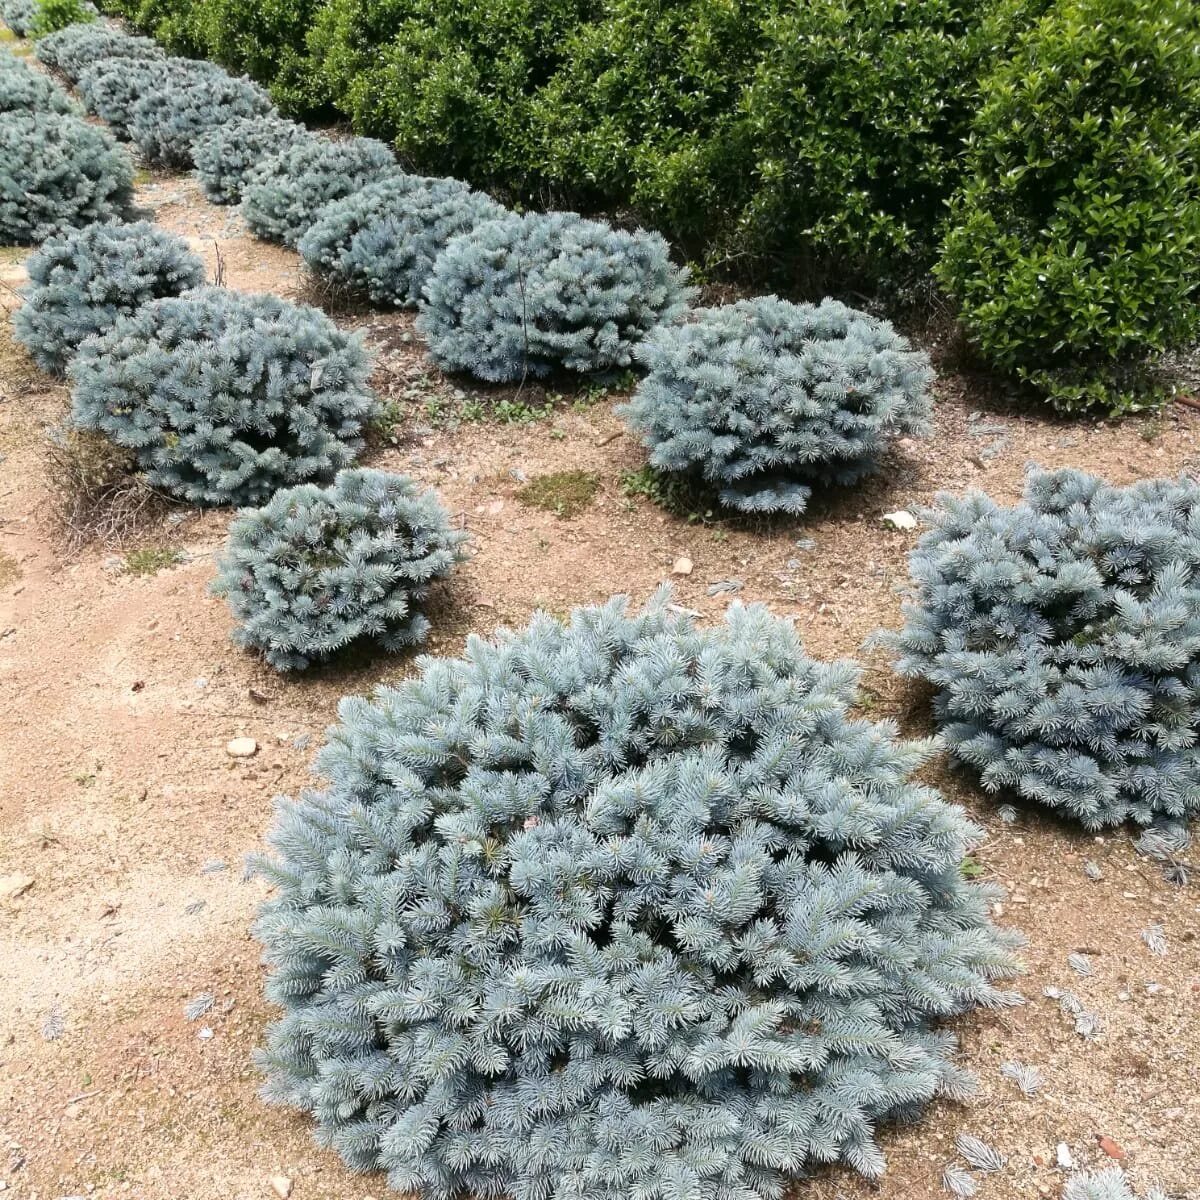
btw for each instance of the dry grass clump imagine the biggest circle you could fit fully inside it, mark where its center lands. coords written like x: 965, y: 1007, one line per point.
x: 18, y: 372
x: 96, y: 494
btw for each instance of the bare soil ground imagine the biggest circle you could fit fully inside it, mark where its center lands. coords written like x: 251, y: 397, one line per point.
x: 119, y: 692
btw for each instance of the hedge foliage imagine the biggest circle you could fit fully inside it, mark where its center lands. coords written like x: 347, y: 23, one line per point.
x: 317, y: 569
x: 282, y: 198
x: 58, y: 172
x: 226, y: 396
x: 784, y: 135
x: 836, y: 146
x: 264, y: 39
x: 384, y: 239
x: 1063, y: 638
x: 528, y: 294
x: 1074, y: 243
x: 80, y: 283
x: 53, y: 15
x: 762, y: 400
x: 619, y: 908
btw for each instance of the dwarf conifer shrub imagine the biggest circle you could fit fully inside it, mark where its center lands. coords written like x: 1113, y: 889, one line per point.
x: 226, y: 155
x: 316, y: 569
x: 226, y: 396
x: 617, y: 908
x: 56, y: 172
x: 287, y: 191
x: 763, y: 399
x: 384, y: 239
x: 80, y: 282
x: 18, y: 15
x: 525, y: 295
x: 111, y: 87
x: 1074, y: 241
x: 1063, y: 638
x: 28, y: 91
x: 71, y: 49
x: 189, y: 102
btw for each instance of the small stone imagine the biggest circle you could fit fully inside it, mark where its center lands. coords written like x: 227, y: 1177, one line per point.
x: 242, y: 747
x: 281, y: 1185
x: 1111, y: 1148
x: 12, y: 886
x: 1062, y: 1155
x: 683, y: 566
x: 900, y: 519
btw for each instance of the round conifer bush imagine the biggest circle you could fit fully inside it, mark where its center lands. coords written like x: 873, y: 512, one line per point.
x: 763, y: 399
x: 58, y: 172
x: 190, y: 101
x: 226, y: 155
x: 111, y: 87
x: 282, y: 198
x: 70, y: 50
x: 28, y: 91
x: 526, y: 295
x: 384, y: 239
x: 19, y: 15
x: 1062, y: 636
x: 226, y: 396
x: 82, y: 281
x: 614, y: 907
x: 317, y: 569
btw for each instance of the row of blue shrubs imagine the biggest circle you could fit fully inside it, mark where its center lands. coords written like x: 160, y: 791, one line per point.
x: 622, y: 906
x: 505, y: 296
x: 758, y: 400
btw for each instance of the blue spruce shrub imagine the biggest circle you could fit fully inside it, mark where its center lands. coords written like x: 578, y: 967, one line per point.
x: 525, y: 295
x: 316, y: 569
x: 384, y: 239
x: 19, y: 15
x: 70, y: 50
x: 111, y: 87
x: 763, y: 399
x: 226, y: 155
x: 80, y: 282
x: 187, y: 103
x: 283, y: 196
x: 225, y: 397
x: 56, y: 172
x: 1063, y: 638
x: 622, y: 907
x: 28, y: 91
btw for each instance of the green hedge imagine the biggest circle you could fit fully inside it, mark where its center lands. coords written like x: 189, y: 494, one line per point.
x: 1074, y: 245
x: 835, y: 146
x: 266, y: 39
x: 826, y: 135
